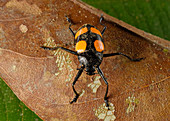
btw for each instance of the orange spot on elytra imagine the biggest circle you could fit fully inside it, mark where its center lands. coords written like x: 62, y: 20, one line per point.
x: 99, y: 46
x: 94, y: 30
x: 81, y: 31
x: 81, y: 46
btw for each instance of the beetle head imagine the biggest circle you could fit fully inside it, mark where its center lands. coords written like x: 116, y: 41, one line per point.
x: 90, y: 70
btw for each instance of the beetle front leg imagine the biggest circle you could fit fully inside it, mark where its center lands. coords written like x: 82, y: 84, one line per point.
x: 55, y: 48
x: 75, y: 80
x: 102, y: 75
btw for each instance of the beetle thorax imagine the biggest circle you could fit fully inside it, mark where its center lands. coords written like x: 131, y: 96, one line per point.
x: 90, y: 60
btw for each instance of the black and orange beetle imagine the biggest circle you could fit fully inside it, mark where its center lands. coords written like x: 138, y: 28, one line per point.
x: 89, y: 49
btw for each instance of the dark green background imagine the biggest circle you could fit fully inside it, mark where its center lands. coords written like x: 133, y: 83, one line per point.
x: 152, y: 16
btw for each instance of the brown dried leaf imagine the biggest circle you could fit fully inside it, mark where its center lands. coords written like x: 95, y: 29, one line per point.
x: 137, y: 90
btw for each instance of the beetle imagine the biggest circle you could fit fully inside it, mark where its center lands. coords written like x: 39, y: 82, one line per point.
x: 89, y: 48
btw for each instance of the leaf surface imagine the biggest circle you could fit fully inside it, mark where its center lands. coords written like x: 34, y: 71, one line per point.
x: 42, y: 79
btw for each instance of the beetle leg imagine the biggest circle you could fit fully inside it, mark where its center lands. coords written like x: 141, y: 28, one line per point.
x: 101, y: 19
x: 70, y: 26
x: 79, y: 66
x: 113, y: 54
x: 102, y: 75
x: 55, y: 48
x: 76, y: 78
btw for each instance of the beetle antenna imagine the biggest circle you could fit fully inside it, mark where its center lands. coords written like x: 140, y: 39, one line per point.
x: 70, y: 25
x: 101, y: 19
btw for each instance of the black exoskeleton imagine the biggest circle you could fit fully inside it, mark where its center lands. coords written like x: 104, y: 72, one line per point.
x: 89, y: 49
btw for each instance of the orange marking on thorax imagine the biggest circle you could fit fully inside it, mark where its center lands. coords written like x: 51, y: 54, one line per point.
x: 81, y: 31
x: 99, y: 46
x: 94, y: 30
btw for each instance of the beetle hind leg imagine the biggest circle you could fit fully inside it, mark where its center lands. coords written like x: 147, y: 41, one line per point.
x: 75, y: 80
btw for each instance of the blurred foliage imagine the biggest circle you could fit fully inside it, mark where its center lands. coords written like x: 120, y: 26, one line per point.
x: 152, y: 16
x: 11, y: 108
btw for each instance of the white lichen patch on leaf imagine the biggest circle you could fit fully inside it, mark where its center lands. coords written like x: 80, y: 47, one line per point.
x: 50, y: 42
x: 64, y: 63
x: 103, y: 113
x: 132, y: 102
x: 56, y: 74
x: 82, y: 92
x: 13, y: 67
x: 23, y: 28
x: 63, y: 60
x: 95, y: 84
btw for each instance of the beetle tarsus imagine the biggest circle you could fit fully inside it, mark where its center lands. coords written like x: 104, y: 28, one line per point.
x: 106, y: 102
x: 75, y: 98
x: 68, y: 19
x: 101, y: 18
x: 113, y: 54
x: 49, y: 48
x: 138, y: 59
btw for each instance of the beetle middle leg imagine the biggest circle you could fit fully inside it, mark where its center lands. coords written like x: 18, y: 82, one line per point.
x: 75, y: 80
x: 113, y: 54
x: 102, y: 75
